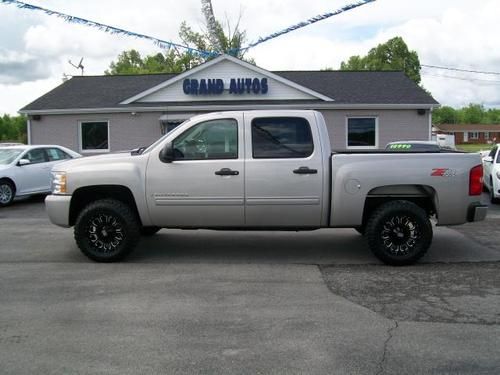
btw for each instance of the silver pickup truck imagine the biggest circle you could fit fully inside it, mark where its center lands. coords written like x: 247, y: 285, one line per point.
x: 263, y: 170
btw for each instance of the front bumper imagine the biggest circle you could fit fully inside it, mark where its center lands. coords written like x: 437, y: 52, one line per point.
x: 477, y: 212
x: 57, y: 207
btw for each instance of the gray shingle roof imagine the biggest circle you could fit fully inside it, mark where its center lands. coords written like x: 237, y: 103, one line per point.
x: 345, y: 87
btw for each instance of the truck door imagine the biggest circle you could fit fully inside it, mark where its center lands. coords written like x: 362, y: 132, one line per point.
x: 283, y: 171
x: 203, y: 186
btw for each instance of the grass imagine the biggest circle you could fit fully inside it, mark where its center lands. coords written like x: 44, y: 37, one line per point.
x: 474, y: 147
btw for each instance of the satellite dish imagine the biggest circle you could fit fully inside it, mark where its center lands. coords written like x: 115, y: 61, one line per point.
x: 79, y: 66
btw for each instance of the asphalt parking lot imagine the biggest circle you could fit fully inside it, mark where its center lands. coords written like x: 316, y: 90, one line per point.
x: 207, y: 302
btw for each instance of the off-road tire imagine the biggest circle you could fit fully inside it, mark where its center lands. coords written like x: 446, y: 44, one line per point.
x: 399, y: 233
x: 107, y: 230
x: 7, y: 192
x: 149, y: 231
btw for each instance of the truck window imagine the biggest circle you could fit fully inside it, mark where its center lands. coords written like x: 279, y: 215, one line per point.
x: 214, y: 139
x: 281, y: 137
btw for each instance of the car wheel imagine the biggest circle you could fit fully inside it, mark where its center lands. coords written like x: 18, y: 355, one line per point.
x: 107, y: 230
x: 399, y: 233
x: 149, y: 231
x: 7, y: 192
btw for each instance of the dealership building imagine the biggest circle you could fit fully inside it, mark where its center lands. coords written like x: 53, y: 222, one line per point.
x: 99, y: 114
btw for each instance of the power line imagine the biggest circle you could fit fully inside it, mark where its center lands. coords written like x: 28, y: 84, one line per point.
x: 459, y: 69
x: 490, y: 81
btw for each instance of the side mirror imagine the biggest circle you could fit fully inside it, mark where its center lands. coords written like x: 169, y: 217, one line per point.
x: 167, y: 154
x: 22, y: 162
x: 488, y: 159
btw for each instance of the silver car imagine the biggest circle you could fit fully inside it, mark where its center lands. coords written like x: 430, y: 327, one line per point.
x: 25, y: 170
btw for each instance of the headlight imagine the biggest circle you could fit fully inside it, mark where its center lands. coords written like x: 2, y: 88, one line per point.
x: 59, y: 185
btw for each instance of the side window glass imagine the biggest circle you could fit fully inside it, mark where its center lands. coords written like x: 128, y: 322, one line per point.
x: 215, y: 139
x: 36, y: 156
x: 493, y: 152
x: 281, y: 137
x: 57, y: 154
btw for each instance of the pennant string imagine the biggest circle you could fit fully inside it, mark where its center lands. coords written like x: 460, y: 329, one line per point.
x: 110, y: 29
x: 167, y: 44
x: 308, y: 22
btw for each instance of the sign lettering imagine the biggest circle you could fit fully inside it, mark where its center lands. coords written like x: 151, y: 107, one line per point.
x: 237, y: 86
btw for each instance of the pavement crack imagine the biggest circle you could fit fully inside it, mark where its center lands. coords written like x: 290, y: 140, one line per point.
x: 390, y: 335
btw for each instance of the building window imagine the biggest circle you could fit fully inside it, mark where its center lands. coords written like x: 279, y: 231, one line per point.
x: 362, y: 132
x: 486, y: 135
x: 473, y: 135
x: 168, y: 126
x: 281, y: 137
x: 94, y: 136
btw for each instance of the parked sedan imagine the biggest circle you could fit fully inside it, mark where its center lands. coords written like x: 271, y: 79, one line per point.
x: 491, y: 167
x: 25, y: 170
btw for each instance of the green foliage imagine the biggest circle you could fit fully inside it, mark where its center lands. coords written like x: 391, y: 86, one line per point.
x: 391, y: 55
x: 13, y: 128
x: 472, y: 114
x: 174, y: 61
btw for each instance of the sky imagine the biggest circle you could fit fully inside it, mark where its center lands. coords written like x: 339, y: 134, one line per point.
x: 35, y: 48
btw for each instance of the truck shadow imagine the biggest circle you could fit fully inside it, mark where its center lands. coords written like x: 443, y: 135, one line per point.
x: 339, y: 246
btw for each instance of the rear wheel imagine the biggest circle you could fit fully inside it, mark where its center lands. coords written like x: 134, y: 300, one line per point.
x: 399, y: 233
x: 107, y: 230
x: 7, y: 192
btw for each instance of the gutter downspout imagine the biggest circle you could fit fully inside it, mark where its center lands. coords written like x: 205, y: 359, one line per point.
x: 28, y: 131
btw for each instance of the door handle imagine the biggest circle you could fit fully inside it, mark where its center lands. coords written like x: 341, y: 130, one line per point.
x: 305, y: 170
x: 227, y: 172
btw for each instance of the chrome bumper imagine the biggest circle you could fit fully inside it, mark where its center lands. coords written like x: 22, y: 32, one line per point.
x: 57, y: 207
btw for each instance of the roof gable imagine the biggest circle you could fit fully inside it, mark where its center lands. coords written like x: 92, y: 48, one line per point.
x: 229, y: 79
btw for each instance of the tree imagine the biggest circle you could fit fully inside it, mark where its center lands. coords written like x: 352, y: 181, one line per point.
x: 213, y: 39
x: 391, y: 55
x: 445, y: 115
x: 473, y: 114
x: 13, y: 128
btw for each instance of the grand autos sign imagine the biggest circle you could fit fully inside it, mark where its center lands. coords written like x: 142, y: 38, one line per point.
x: 237, y: 86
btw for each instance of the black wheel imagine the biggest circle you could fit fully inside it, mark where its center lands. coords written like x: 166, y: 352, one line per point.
x: 149, y: 231
x: 399, y: 233
x: 107, y: 230
x: 7, y: 192
x: 361, y: 229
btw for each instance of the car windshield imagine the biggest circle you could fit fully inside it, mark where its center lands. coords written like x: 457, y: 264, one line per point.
x: 7, y: 155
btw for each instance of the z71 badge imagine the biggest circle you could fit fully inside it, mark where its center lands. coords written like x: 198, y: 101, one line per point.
x: 443, y: 172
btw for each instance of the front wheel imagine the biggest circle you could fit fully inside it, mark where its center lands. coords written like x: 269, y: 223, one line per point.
x: 399, y: 233
x: 107, y: 230
x: 7, y: 192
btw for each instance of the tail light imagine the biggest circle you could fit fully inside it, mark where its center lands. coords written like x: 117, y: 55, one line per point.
x: 476, y: 180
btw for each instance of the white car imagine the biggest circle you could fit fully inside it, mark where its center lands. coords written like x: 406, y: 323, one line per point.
x: 25, y: 170
x: 491, y: 166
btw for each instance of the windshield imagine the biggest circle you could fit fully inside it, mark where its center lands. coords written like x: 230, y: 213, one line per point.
x: 8, y: 155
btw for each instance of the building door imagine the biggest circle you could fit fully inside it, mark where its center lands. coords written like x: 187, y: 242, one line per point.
x: 203, y: 186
